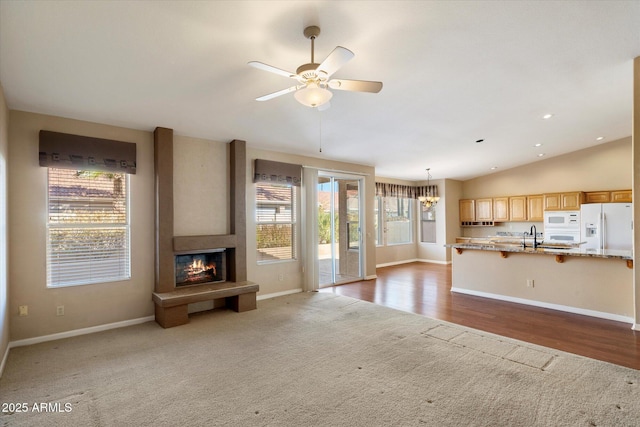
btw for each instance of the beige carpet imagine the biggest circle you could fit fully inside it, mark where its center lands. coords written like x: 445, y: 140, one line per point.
x: 313, y: 359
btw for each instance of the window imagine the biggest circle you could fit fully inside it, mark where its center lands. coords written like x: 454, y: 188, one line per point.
x: 88, y: 238
x: 377, y: 219
x: 428, y: 225
x: 396, y: 219
x: 275, y: 222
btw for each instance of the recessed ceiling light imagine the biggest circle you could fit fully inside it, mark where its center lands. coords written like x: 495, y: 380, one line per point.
x: 537, y: 145
x: 494, y: 168
x: 547, y: 116
x: 478, y: 141
x: 600, y: 138
x: 541, y: 155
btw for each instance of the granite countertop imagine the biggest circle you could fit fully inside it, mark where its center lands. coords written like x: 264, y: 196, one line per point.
x: 567, y: 251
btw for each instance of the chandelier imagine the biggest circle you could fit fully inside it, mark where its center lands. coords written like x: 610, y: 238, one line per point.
x: 430, y: 200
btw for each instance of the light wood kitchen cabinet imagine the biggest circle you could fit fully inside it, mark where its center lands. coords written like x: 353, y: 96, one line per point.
x: 623, y: 196
x: 597, y: 197
x: 484, y: 209
x: 563, y: 201
x: 501, y: 209
x: 518, y: 208
x: 467, y: 210
x: 535, y: 208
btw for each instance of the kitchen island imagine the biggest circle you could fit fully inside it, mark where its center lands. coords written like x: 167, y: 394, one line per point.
x: 591, y: 282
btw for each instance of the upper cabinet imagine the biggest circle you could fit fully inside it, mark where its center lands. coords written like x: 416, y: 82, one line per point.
x: 501, y: 209
x: 467, y: 210
x: 488, y: 211
x: 484, y: 209
x: 597, y: 197
x: 518, y: 208
x: 535, y: 207
x: 622, y: 196
x: 618, y: 196
x: 563, y: 201
x: 475, y: 212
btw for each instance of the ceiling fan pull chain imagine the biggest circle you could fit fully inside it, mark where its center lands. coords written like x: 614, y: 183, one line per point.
x: 320, y: 114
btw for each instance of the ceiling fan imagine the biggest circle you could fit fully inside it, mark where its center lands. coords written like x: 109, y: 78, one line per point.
x: 314, y: 80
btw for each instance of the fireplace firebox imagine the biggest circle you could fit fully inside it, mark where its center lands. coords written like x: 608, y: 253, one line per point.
x: 195, y: 269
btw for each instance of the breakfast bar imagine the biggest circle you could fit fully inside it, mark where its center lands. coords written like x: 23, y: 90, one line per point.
x: 591, y: 282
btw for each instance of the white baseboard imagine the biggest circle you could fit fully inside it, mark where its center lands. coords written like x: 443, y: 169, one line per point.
x: 372, y: 277
x: 635, y: 327
x: 83, y: 331
x: 404, y: 261
x: 4, y: 359
x: 407, y: 261
x: 279, y: 294
x: 566, y: 308
x: 435, y: 261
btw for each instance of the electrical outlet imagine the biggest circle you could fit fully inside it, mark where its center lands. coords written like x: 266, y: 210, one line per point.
x: 23, y: 310
x: 280, y: 277
x: 529, y: 283
x: 60, y: 310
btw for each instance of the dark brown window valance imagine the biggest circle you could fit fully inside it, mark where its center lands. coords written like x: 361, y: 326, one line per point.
x: 277, y: 172
x: 384, y: 189
x: 66, y: 151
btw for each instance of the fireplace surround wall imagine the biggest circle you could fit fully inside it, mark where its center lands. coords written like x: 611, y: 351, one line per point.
x: 239, y: 294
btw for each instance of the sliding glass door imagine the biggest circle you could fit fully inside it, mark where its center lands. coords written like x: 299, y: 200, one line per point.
x: 339, y: 222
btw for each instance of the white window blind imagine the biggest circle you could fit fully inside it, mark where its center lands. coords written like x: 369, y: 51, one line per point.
x: 275, y: 222
x: 88, y: 227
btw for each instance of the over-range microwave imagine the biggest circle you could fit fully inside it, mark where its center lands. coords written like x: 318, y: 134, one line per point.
x: 562, y: 220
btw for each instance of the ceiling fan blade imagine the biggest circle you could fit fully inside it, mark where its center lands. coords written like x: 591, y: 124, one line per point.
x: 355, y: 85
x: 279, y: 93
x: 271, y: 69
x: 336, y: 59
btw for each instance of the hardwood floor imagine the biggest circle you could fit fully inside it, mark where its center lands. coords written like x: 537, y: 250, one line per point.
x: 424, y: 288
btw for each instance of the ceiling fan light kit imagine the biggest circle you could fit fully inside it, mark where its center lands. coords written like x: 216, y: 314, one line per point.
x: 313, y: 79
x: 313, y: 96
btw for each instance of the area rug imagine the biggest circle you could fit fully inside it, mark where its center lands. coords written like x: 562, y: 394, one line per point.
x: 311, y: 359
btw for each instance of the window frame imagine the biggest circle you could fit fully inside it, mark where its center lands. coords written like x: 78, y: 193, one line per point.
x: 433, y: 221
x: 293, y: 223
x: 59, y: 226
x: 382, y: 217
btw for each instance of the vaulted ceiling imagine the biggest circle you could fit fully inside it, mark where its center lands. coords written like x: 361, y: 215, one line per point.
x: 453, y: 73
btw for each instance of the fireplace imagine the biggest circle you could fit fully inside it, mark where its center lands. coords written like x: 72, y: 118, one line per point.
x: 195, y: 269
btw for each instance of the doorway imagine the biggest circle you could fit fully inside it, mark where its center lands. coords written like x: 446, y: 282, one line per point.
x: 339, y: 229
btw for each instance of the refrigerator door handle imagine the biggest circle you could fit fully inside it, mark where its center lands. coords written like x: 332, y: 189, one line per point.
x: 604, y: 231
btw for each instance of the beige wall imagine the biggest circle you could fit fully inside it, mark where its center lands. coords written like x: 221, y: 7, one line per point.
x: 602, y: 167
x: 88, y: 305
x: 593, y: 286
x: 4, y: 231
x: 453, y: 193
x: 200, y: 187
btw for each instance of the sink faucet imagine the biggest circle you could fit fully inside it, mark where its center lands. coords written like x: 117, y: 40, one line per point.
x: 533, y: 231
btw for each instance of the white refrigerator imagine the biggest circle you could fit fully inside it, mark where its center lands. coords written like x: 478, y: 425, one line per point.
x: 606, y: 226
